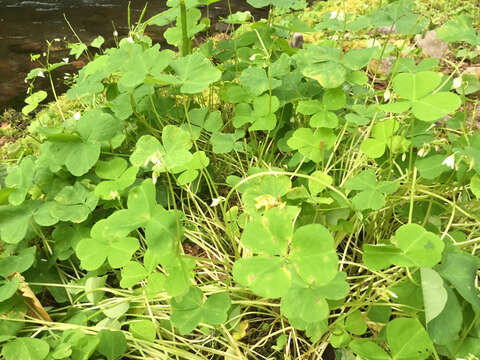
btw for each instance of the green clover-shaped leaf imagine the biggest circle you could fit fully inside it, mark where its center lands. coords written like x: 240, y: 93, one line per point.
x: 383, y: 137
x: 329, y: 74
x: 112, y: 344
x: 304, y: 303
x: 414, y: 246
x: 313, y: 254
x: 143, y: 329
x: 72, y: 203
x: 269, y: 234
x: 312, y: 143
x: 15, y: 220
x: 171, y: 156
x: 111, y: 189
x: 420, y: 246
x: 101, y: 245
x: 256, y: 81
x: 265, y: 276
x: 17, y: 263
x: 191, y: 309
x: 132, y: 273
x: 457, y: 30
x: 33, y: 100
x: 195, y: 73
x: 371, y: 195
x: 417, y: 88
x: 20, y: 178
x: 432, y: 166
x: 408, y: 339
x: 25, y: 348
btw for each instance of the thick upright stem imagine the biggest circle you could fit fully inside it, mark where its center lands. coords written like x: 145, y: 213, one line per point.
x: 186, y: 48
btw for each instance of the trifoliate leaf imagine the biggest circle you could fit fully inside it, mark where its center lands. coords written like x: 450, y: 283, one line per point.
x: 269, y: 234
x: 15, y: 220
x: 432, y: 166
x: 112, y: 344
x: 17, y: 263
x: 93, y: 251
x: 265, y: 276
x: 255, y: 80
x: 313, y: 254
x: 420, y: 246
x: 457, y: 30
x: 111, y: 169
x: 415, y: 86
x: 20, y: 178
x: 195, y: 73
x: 143, y: 329
x: 435, y: 106
x: 111, y: 189
x: 191, y: 309
x: 25, y: 348
x: 173, y: 154
x: 312, y: 144
x: 355, y: 323
x: 408, y: 339
x: 132, y: 273
x: 8, y: 288
x: 329, y: 74
x: 223, y: 143
x: 304, y: 303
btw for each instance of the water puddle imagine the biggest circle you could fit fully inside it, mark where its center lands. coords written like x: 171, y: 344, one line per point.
x: 26, y: 25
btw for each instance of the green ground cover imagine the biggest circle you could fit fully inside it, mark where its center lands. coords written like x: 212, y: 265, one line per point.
x: 240, y: 198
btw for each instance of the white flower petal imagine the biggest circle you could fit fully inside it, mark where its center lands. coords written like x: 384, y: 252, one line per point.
x: 386, y: 95
x: 449, y: 161
x: 457, y: 82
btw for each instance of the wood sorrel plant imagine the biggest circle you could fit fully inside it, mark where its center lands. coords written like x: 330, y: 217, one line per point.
x: 245, y: 199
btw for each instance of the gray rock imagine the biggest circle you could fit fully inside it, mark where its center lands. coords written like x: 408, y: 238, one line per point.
x: 297, y: 40
x: 431, y: 45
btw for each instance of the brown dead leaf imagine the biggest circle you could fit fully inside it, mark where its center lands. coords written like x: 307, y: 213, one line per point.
x: 35, y: 308
x: 381, y: 68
